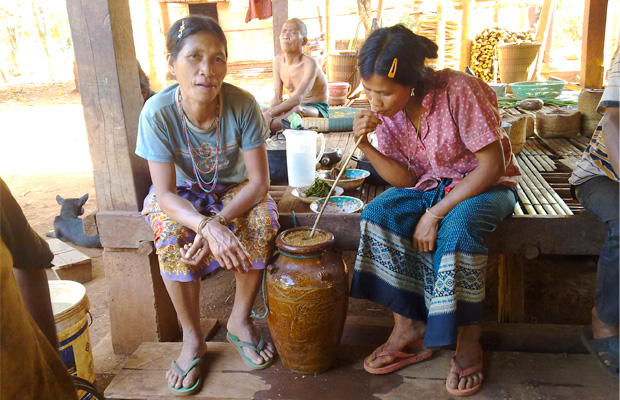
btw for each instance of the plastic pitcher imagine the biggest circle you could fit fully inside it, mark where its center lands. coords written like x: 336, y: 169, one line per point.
x: 301, y: 156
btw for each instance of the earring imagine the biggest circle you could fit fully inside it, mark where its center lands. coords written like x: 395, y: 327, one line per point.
x: 412, y: 92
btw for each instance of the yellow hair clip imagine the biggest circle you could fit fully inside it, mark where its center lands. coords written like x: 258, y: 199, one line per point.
x: 181, y: 29
x: 392, y: 72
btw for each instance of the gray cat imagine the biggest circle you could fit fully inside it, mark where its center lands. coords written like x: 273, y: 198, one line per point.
x: 69, y: 227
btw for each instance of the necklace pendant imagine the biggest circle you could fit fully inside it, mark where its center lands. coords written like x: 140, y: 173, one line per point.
x: 422, y: 147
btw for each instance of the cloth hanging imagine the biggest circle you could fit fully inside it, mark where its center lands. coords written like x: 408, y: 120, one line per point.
x: 260, y: 9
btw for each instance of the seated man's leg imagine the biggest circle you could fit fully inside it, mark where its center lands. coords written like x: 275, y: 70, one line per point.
x: 600, y: 196
x: 303, y: 110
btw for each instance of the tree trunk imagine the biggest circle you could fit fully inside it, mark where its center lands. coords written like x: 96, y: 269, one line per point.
x: 364, y: 10
x: 40, y: 23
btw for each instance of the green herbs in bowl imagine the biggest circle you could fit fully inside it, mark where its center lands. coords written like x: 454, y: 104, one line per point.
x: 319, y: 188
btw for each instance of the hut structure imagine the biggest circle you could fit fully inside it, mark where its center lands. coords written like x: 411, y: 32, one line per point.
x: 140, y: 309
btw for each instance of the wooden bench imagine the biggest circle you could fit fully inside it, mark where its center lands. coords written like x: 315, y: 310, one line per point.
x: 546, y: 221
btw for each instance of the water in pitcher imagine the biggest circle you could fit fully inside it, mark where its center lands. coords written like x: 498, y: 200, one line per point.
x: 301, y: 167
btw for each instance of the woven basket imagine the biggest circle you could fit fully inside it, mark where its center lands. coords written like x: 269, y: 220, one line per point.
x: 515, y: 60
x: 517, y: 132
x: 342, y: 67
x: 587, y: 105
x: 558, y: 123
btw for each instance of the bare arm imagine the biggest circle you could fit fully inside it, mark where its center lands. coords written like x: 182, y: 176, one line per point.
x: 610, y: 135
x: 490, y: 168
x: 277, y: 83
x: 310, y: 69
x: 33, y: 286
x: 395, y: 172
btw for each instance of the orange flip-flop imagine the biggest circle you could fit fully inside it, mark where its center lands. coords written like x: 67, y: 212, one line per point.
x: 401, y: 359
x: 462, y: 374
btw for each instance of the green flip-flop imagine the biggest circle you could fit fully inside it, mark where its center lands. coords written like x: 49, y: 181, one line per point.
x: 239, y: 345
x: 183, y: 391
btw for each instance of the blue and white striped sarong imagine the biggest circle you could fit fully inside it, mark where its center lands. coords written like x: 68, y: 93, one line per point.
x: 444, y: 288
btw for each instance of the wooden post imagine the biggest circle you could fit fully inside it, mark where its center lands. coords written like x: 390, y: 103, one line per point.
x: 465, y: 59
x: 441, y: 37
x: 328, y: 38
x: 511, y: 303
x: 541, y: 35
x: 111, y: 98
x: 280, y: 15
x: 593, y: 44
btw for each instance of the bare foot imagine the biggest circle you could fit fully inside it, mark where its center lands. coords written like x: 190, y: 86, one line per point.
x: 468, y: 354
x: 601, y: 330
x: 247, y: 332
x: 403, y: 338
x: 191, y: 350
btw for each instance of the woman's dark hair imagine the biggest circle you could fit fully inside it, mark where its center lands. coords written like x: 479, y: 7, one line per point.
x: 411, y: 50
x: 185, y: 27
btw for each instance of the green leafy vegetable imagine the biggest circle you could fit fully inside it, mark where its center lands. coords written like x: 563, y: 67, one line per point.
x: 510, y: 102
x: 318, y: 189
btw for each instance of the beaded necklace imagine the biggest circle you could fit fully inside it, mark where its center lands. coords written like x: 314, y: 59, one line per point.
x: 215, y: 169
x: 417, y: 134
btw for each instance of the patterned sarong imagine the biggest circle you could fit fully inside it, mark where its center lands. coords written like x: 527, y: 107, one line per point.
x: 444, y: 288
x: 256, y: 230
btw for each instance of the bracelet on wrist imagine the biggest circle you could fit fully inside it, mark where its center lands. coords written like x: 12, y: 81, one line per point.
x: 221, y: 218
x: 202, y: 224
x: 428, y: 210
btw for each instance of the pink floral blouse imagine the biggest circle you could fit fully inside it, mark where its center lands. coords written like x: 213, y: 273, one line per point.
x: 459, y: 117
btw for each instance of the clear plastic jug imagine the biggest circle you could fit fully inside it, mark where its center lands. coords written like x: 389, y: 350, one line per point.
x: 301, y: 156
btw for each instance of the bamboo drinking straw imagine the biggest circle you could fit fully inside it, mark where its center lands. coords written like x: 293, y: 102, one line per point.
x: 344, y: 165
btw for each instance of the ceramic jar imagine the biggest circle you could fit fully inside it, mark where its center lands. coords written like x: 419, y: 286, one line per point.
x: 307, y: 294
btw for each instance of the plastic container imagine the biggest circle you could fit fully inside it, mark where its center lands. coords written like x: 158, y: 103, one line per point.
x: 70, y: 306
x: 542, y: 90
x: 301, y: 156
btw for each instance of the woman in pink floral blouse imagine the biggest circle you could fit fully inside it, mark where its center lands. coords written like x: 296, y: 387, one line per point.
x: 422, y: 252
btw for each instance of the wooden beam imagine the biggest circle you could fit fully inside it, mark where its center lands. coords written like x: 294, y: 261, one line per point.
x: 329, y: 47
x: 593, y: 44
x: 110, y: 91
x: 541, y: 36
x: 379, y: 10
x: 465, y: 59
x: 280, y: 15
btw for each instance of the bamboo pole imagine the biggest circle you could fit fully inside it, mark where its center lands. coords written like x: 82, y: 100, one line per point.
x: 533, y: 181
x: 525, y: 201
x: 331, y: 190
x: 553, y: 197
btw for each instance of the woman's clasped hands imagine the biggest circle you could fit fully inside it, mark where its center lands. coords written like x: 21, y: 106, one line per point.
x: 218, y: 240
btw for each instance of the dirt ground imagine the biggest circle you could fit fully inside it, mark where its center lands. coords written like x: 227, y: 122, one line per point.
x: 45, y: 153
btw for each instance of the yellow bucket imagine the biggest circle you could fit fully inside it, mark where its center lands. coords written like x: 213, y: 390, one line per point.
x: 70, y: 306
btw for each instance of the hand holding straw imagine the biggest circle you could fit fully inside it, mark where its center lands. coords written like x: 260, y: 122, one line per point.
x: 335, y: 184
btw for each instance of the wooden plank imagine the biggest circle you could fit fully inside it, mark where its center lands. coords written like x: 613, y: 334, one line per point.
x: 593, y: 44
x: 111, y: 98
x: 547, y: 376
x: 123, y: 229
x: 581, y: 233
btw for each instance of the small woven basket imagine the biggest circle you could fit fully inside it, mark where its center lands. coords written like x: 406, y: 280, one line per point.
x: 517, y: 132
x: 558, y: 123
x: 587, y: 105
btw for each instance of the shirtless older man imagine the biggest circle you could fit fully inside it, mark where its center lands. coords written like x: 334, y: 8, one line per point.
x: 302, y: 77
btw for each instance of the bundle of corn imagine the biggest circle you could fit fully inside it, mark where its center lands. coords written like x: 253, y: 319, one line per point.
x: 483, y: 49
x: 427, y: 25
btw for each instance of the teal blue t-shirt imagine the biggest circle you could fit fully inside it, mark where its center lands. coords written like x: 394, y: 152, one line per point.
x: 161, y: 138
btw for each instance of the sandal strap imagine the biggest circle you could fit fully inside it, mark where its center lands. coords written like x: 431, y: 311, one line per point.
x: 175, y: 367
x: 608, y: 344
x: 466, y: 372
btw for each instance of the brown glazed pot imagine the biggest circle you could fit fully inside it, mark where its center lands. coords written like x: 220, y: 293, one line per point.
x: 307, y: 294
